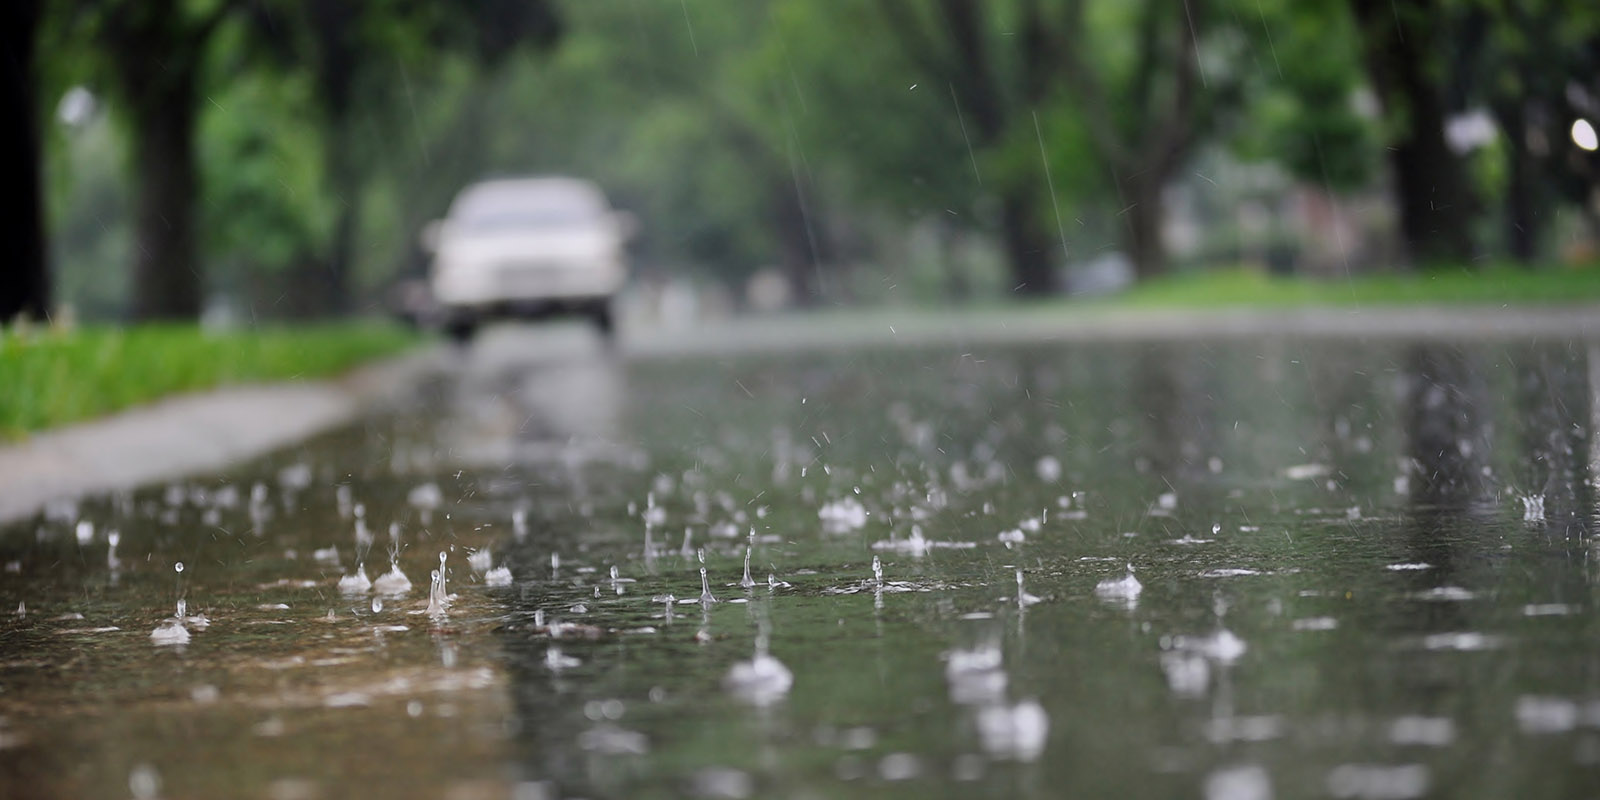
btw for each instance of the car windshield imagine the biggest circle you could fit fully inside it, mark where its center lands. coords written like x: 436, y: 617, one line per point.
x: 495, y: 208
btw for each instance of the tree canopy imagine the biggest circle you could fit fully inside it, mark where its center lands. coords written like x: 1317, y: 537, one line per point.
x: 278, y: 158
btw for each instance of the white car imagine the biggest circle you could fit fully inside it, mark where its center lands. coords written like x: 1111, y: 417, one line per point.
x: 527, y: 248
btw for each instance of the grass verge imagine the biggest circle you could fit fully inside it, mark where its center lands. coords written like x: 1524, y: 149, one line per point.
x: 1495, y: 285
x: 52, y: 377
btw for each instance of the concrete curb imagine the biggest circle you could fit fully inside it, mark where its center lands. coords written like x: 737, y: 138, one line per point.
x: 191, y: 433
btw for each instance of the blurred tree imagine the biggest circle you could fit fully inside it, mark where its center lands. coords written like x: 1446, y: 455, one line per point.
x: 996, y: 68
x: 1129, y: 74
x: 1527, y: 62
x: 1404, y: 55
x: 25, y: 279
x: 1304, y: 111
x: 350, y: 47
x: 668, y: 107
x: 153, y: 53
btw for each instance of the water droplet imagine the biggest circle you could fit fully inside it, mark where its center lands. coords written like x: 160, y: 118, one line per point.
x: 178, y: 566
x: 436, y: 599
x: 144, y: 782
x: 877, y: 571
x: 705, y: 588
x: 377, y: 604
x: 746, y: 581
x: 1216, y: 528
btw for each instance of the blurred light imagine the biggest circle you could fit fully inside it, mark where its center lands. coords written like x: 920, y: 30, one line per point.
x: 1583, y: 135
x: 76, y: 107
x: 1469, y: 131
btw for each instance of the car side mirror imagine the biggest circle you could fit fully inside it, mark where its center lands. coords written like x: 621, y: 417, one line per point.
x: 627, y: 224
x: 432, y: 234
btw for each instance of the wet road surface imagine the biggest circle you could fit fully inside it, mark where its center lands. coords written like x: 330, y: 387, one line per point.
x: 1242, y: 568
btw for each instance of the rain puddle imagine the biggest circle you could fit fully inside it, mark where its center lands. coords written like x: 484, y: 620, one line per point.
x: 1239, y: 570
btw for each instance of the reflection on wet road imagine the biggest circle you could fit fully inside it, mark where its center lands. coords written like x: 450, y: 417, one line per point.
x: 1240, y: 569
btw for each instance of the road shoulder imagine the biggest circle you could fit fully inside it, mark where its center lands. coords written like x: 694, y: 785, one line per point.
x: 190, y: 433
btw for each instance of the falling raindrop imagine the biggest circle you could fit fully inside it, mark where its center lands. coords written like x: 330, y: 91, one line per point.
x: 377, y: 604
x: 178, y: 566
x: 877, y: 571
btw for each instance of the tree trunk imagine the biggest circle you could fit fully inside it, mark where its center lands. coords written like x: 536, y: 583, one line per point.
x: 797, y: 240
x: 1142, y: 231
x: 334, y: 26
x: 166, y: 268
x: 341, y: 249
x: 24, y: 276
x: 1029, y: 251
x: 1431, y: 188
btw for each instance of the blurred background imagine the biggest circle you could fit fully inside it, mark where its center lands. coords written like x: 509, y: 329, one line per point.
x: 239, y: 161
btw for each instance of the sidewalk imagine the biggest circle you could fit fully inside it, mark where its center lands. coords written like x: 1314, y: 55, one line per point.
x: 189, y: 433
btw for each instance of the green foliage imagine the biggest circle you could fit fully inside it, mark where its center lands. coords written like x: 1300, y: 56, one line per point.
x: 56, y: 377
x: 263, y: 205
x: 1494, y: 285
x: 712, y: 120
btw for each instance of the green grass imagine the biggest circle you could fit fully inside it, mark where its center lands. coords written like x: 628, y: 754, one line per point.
x: 50, y: 377
x: 1497, y: 285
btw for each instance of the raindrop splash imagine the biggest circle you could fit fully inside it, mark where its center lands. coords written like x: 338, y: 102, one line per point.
x: 357, y: 583
x: 1023, y: 598
x: 436, y: 602
x: 706, y: 598
x: 746, y: 582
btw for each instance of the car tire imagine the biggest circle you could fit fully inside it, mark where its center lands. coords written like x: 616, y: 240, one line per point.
x: 600, y: 315
x: 461, y: 331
